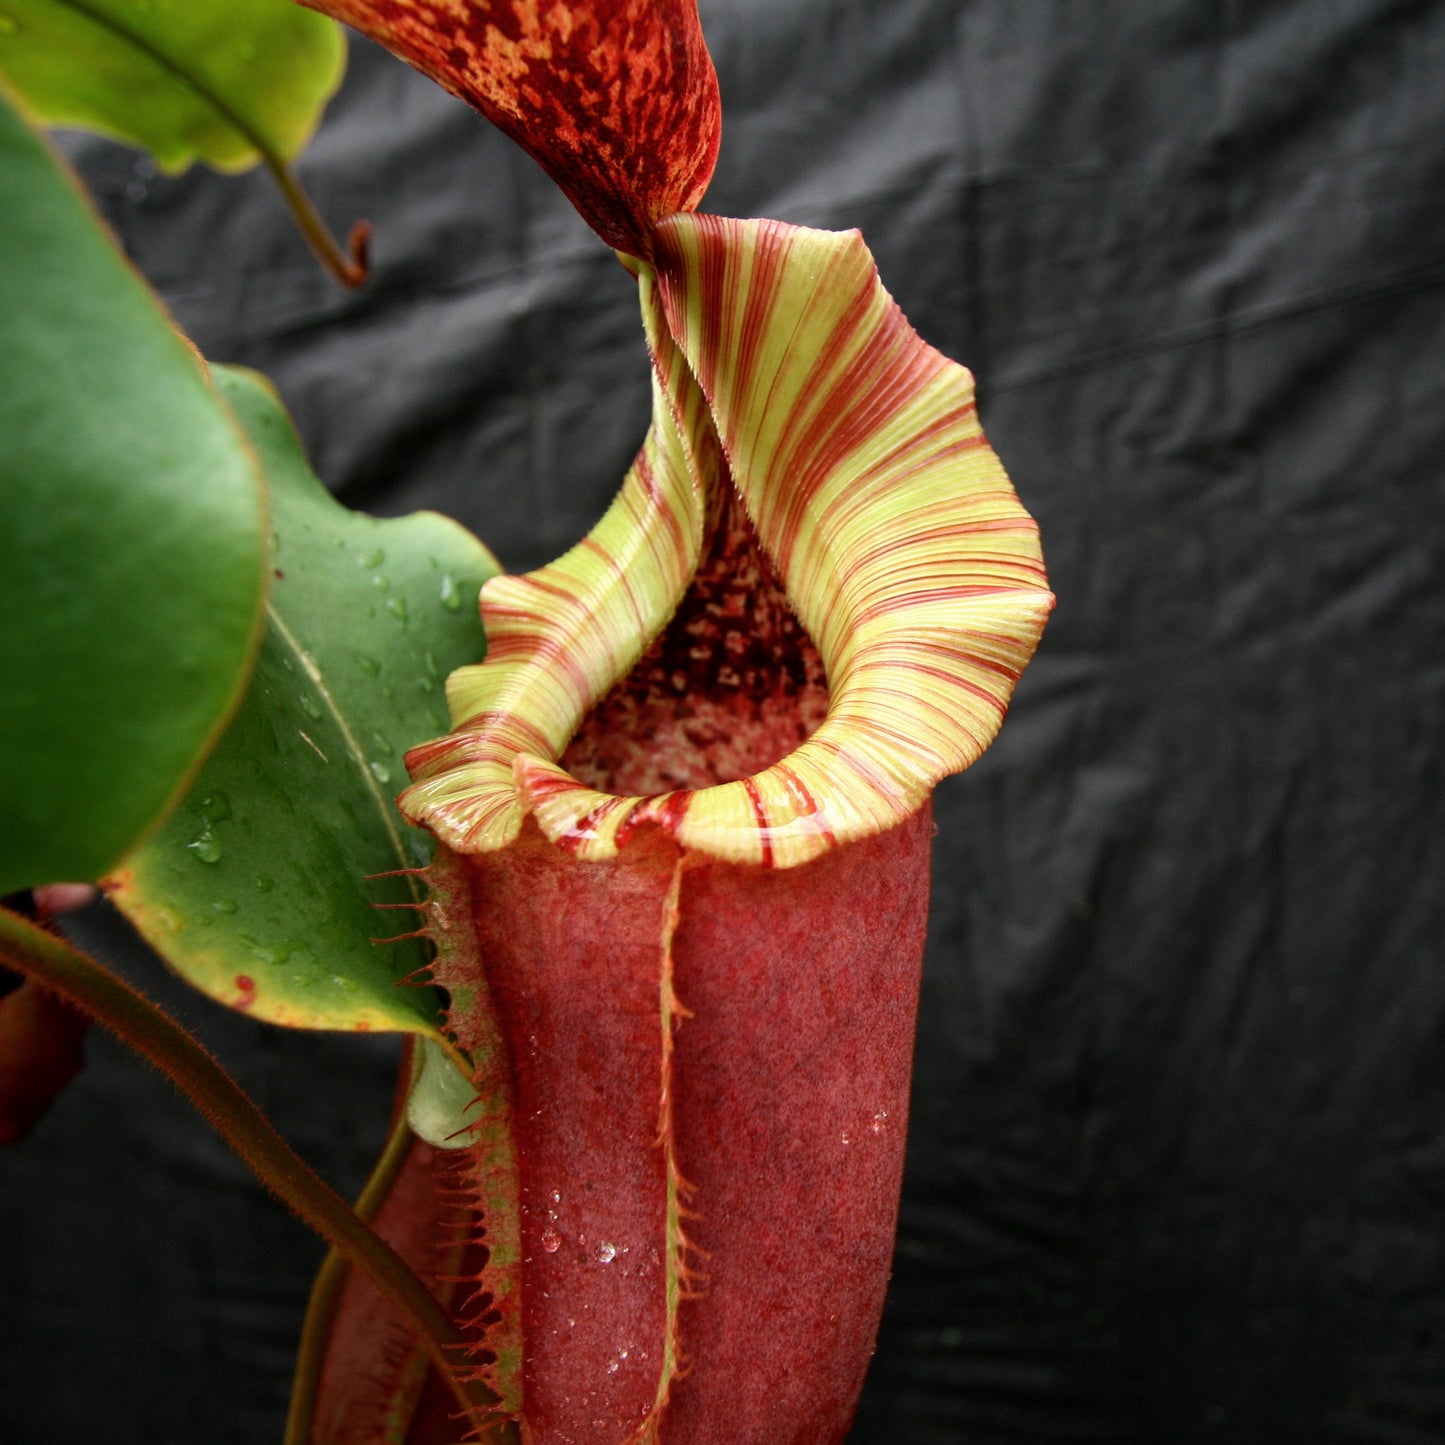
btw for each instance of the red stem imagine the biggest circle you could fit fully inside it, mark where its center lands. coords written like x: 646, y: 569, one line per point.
x: 184, y: 1061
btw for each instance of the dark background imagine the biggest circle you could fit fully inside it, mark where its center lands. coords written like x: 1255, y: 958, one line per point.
x: 1177, y: 1157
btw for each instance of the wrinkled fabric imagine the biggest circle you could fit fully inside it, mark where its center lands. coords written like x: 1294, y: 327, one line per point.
x: 1177, y: 1150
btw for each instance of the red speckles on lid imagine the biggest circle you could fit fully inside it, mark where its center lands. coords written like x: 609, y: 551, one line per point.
x: 616, y: 99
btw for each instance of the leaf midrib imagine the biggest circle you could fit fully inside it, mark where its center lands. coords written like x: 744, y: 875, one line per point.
x: 383, y: 803
x: 173, y: 67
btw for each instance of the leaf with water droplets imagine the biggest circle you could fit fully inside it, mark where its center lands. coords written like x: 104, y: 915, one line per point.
x: 132, y: 537
x: 257, y: 888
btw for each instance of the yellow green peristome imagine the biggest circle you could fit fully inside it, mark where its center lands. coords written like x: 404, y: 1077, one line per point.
x: 857, y: 452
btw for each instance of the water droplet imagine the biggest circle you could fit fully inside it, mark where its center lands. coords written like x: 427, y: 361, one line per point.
x: 555, y: 1196
x: 346, y: 985
x: 224, y: 905
x: 551, y: 1240
x: 369, y: 665
x: 310, y: 706
x: 382, y: 584
x: 433, y: 671
x: 9, y: 25
x: 374, y: 559
x: 397, y: 607
x: 606, y: 1253
x: 168, y: 920
x: 215, y: 807
x: 380, y: 772
x: 613, y: 1366
x: 206, y: 847
x: 878, y: 1121
x: 380, y: 740
x: 451, y: 594
x: 847, y: 1139
x: 264, y: 883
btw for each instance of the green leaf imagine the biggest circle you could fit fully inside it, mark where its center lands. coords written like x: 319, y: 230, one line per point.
x: 222, y: 81
x: 256, y: 889
x: 133, y: 545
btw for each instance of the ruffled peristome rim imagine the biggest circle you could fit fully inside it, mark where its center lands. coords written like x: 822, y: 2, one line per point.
x: 781, y: 368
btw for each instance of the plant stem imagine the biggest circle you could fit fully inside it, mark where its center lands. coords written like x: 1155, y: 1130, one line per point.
x: 173, y: 1051
x: 326, y: 1292
x: 349, y: 267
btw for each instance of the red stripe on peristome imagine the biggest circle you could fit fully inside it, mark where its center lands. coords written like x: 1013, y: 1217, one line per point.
x: 798, y: 788
x: 667, y: 811
x: 770, y: 253
x: 761, y: 814
x: 658, y: 505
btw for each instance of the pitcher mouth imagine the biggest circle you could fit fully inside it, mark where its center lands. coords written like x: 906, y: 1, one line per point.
x: 784, y: 377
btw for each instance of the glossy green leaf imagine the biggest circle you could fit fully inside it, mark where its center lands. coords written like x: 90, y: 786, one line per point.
x: 222, y: 81
x: 133, y: 541
x: 256, y: 889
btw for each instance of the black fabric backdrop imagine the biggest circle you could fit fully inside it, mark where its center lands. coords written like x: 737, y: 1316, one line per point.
x: 1177, y: 1155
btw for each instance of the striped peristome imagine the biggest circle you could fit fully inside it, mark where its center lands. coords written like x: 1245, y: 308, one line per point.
x: 559, y: 637
x: 858, y: 455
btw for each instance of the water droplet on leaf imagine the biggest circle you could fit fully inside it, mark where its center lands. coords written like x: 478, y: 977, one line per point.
x: 224, y: 905
x: 380, y: 772
x: 310, y: 706
x: 374, y: 559
x: 451, y: 594
x: 206, y: 848
x: 369, y: 665
x: 606, y: 1252
x: 397, y: 607
x: 551, y: 1240
x: 215, y: 807
x: 264, y: 884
